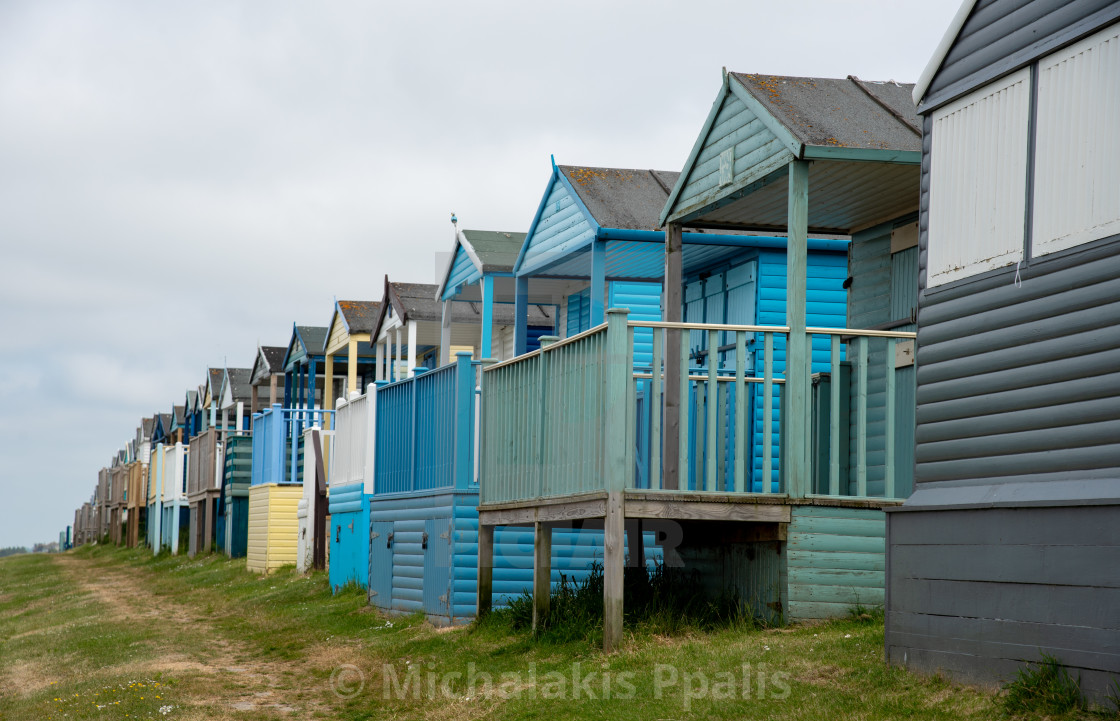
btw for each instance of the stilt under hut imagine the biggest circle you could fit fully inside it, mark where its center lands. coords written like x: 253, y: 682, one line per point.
x: 802, y: 538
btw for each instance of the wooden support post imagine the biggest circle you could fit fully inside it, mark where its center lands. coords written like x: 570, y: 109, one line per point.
x: 485, y: 569
x: 487, y: 316
x: 379, y: 365
x: 521, y: 317
x: 411, y: 348
x: 671, y: 311
x: 271, y: 391
x: 542, y: 573
x: 351, y: 369
x: 397, y: 366
x: 613, y: 527
x: 798, y: 365
x: 328, y: 383
x: 445, y: 335
x: 598, y: 281
x: 319, y: 552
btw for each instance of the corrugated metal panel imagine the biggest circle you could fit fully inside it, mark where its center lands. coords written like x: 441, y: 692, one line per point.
x: 755, y: 149
x: 561, y: 229
x: 835, y: 560
x: 978, y: 181
x: 1077, y: 156
x: 1003, y: 35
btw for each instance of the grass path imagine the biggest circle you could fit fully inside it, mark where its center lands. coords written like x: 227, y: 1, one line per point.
x: 109, y: 633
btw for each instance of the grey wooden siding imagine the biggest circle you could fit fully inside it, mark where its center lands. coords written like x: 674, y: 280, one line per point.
x: 976, y: 593
x: 1022, y: 383
x: 1002, y: 35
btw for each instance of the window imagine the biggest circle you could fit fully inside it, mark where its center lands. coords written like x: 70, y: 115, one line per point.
x: 978, y: 173
x: 1077, y: 148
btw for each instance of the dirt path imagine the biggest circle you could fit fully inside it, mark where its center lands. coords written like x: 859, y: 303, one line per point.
x: 236, y: 680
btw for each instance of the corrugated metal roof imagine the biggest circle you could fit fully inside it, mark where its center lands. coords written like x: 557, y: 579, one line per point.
x: 496, y: 250
x: 845, y: 113
x: 360, y: 315
x: 622, y: 198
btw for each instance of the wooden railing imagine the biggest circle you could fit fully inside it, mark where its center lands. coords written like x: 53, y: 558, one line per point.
x: 425, y: 430
x: 204, y: 466
x: 578, y: 416
x: 278, y: 442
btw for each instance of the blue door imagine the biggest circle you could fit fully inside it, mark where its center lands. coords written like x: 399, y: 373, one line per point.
x: 381, y: 563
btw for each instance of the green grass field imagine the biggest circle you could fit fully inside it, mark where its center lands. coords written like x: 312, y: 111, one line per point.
x: 110, y: 633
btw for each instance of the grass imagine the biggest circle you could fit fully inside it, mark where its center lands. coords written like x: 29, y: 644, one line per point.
x: 103, y: 626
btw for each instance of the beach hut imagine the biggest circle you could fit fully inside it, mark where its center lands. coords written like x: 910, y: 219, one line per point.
x: 410, y: 313
x: 136, y: 504
x: 286, y: 447
x: 267, y: 378
x: 118, y: 485
x: 348, y: 336
x: 726, y: 455
x: 1008, y: 549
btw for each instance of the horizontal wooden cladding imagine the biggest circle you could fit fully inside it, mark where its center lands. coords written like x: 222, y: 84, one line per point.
x: 1074, y: 526
x: 835, y: 560
x: 1029, y: 603
x: 1011, y: 563
x: 1004, y: 34
x: 1020, y: 382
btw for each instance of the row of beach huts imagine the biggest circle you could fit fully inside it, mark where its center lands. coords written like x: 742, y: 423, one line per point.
x: 852, y: 295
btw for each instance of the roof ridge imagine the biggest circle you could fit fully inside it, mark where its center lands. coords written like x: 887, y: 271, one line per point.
x: 894, y: 113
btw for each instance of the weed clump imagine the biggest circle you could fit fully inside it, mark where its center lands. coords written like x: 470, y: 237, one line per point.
x: 1043, y: 687
x: 663, y: 600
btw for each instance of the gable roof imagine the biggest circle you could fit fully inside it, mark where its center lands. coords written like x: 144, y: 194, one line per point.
x: 580, y: 203
x: 214, y: 383
x: 235, y: 386
x: 623, y: 198
x: 942, y: 50
x: 489, y: 251
x: 269, y: 360
x: 417, y: 301
x: 868, y: 132
x: 312, y: 337
x: 360, y: 316
x: 834, y: 112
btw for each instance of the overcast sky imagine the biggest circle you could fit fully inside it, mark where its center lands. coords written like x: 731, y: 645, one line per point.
x: 180, y: 181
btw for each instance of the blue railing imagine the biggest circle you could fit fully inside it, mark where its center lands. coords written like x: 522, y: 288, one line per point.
x: 426, y: 430
x: 278, y: 442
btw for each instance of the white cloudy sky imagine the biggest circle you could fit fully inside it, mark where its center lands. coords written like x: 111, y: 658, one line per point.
x: 179, y: 181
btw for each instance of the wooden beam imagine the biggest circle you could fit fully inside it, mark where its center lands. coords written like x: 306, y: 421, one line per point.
x: 351, y: 369
x: 521, y: 317
x: 444, y: 336
x: 613, y: 569
x: 487, y: 316
x: 542, y: 573
x: 707, y: 511
x: 796, y: 458
x: 598, y: 281
x: 485, y: 569
x: 671, y: 311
